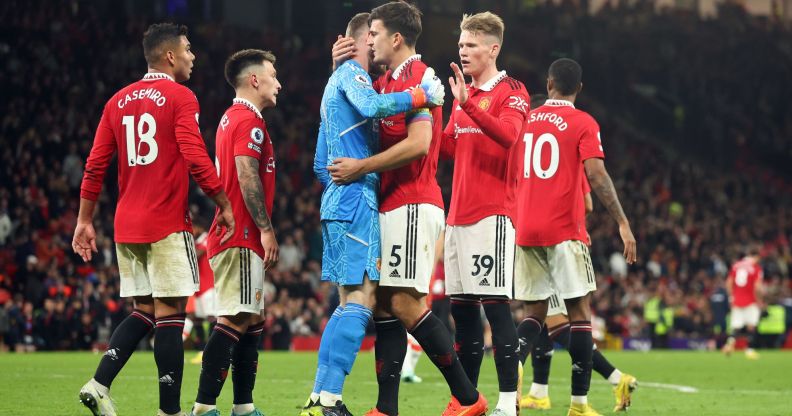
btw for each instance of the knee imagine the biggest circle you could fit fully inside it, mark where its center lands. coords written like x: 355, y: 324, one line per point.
x: 407, y: 308
x: 578, y: 308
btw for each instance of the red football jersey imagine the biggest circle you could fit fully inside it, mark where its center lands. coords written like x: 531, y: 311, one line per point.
x: 415, y: 182
x: 153, y: 124
x: 481, y: 134
x: 743, y: 276
x: 242, y: 132
x: 556, y: 140
x: 204, y: 269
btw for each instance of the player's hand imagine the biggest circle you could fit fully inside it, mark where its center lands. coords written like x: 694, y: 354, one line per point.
x: 271, y: 250
x: 457, y: 83
x: 433, y: 89
x: 343, y: 49
x: 84, y: 241
x: 345, y: 170
x: 630, y: 249
x: 225, y: 218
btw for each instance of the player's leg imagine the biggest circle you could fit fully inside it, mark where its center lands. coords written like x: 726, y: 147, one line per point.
x: 736, y: 325
x: 244, y: 363
x: 390, y: 349
x: 541, y: 358
x: 753, y: 315
x: 239, y: 279
x: 173, y: 270
x: 573, y: 275
x: 406, y: 272
x: 333, y: 249
x: 358, y: 275
x: 466, y: 309
x: 345, y: 344
x: 132, y: 261
x: 532, y: 285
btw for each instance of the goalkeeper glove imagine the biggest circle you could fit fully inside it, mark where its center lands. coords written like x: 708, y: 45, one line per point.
x: 430, y: 93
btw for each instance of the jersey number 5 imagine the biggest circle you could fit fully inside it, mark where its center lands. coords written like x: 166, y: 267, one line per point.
x: 146, y: 129
x: 533, y: 156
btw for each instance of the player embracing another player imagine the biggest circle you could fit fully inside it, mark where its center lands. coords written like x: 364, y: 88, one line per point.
x: 558, y: 144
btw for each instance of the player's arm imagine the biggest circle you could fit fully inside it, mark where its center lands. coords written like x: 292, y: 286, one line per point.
x: 602, y: 185
x: 415, y: 146
x: 253, y: 195
x: 759, y: 290
x: 84, y: 240
x: 448, y: 141
x: 357, y: 87
x: 192, y: 148
x: 503, y: 129
x: 320, y: 157
x: 588, y: 202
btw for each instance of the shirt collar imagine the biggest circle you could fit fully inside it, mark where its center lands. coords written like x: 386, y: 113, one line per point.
x: 489, y: 85
x: 559, y: 103
x: 153, y: 76
x: 400, y: 68
x: 249, y: 105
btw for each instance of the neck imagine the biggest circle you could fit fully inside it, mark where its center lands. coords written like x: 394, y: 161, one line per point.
x: 166, y: 71
x: 363, y: 60
x: 477, y: 80
x: 251, y: 96
x: 556, y: 96
x: 400, y: 56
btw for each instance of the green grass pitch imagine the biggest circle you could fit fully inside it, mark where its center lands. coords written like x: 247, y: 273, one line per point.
x: 672, y: 383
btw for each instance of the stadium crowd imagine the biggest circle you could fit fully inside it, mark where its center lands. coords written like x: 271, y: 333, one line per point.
x: 692, y: 215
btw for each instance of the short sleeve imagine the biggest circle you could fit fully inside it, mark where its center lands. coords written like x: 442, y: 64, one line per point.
x: 249, y: 138
x: 590, y: 145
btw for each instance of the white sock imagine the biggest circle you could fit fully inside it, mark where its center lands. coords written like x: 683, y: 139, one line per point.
x: 507, y: 401
x: 188, y: 326
x: 579, y: 399
x: 102, y: 389
x: 314, y: 397
x: 243, y: 409
x: 328, y: 399
x: 538, y: 390
x: 201, y: 408
x: 615, y: 377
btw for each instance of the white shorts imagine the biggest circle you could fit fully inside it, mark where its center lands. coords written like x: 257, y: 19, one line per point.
x: 205, y: 304
x: 747, y: 316
x: 167, y: 268
x: 238, y: 281
x: 409, y: 234
x: 479, y: 258
x: 563, y: 269
x: 555, y: 306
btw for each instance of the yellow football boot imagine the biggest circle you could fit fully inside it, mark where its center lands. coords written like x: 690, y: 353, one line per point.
x: 623, y: 392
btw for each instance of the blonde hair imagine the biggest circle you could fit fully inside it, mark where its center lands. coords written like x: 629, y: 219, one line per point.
x: 487, y: 23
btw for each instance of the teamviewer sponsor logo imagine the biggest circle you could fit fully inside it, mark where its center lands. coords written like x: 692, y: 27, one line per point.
x: 465, y: 130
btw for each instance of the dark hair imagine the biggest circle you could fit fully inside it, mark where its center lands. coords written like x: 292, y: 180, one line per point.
x: 237, y: 63
x: 356, y: 23
x: 537, y: 100
x: 158, y: 35
x: 566, y: 75
x: 400, y: 17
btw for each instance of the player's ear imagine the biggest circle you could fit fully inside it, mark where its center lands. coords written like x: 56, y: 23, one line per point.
x: 579, y: 88
x: 550, y: 85
x: 494, y: 50
x: 170, y: 57
x: 398, y: 39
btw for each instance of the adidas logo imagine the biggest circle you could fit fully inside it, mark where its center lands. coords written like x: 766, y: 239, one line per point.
x: 576, y: 368
x: 484, y: 282
x: 395, y: 273
x: 167, y: 379
x: 111, y: 353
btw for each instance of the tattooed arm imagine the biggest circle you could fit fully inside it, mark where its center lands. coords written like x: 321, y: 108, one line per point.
x: 253, y: 194
x: 602, y: 185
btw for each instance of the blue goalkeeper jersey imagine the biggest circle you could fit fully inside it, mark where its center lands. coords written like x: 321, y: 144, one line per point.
x: 347, y: 129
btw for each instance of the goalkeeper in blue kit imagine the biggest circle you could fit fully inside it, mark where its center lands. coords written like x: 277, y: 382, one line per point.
x: 349, y: 213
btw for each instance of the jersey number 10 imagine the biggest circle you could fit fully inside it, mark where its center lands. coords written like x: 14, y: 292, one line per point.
x: 146, y: 129
x: 533, y: 156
